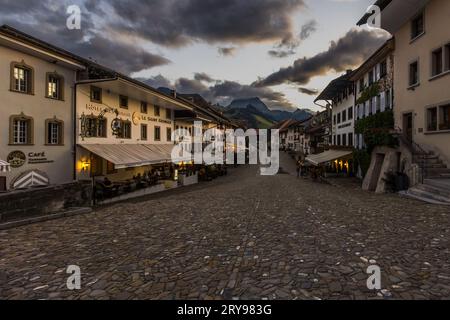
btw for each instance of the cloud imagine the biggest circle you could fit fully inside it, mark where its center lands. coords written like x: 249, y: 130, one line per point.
x: 288, y: 46
x: 346, y: 53
x: 226, y: 51
x: 212, y: 21
x: 308, y: 91
x: 201, y: 76
x: 46, y: 20
x: 223, y: 92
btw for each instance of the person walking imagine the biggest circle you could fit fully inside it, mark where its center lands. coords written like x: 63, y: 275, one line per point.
x: 299, y: 168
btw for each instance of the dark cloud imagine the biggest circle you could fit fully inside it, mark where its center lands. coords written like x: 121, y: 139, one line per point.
x: 201, y: 76
x: 348, y: 52
x: 288, y: 46
x: 223, y: 92
x: 308, y: 29
x: 212, y: 21
x: 226, y: 51
x: 308, y: 91
x: 46, y: 20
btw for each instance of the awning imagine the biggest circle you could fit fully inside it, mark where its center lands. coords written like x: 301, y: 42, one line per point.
x: 132, y: 155
x: 328, y: 156
x: 4, y: 166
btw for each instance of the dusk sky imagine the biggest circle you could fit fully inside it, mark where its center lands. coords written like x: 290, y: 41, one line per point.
x: 283, y: 51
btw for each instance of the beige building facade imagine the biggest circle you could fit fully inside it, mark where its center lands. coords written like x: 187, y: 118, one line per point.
x: 36, y: 112
x: 124, y: 129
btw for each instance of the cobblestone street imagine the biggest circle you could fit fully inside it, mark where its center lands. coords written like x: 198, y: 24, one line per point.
x: 243, y: 236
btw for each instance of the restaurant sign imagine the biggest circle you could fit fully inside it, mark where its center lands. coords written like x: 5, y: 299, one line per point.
x: 17, y: 158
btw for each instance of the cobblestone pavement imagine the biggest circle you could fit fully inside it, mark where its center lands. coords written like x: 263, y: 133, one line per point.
x: 244, y: 237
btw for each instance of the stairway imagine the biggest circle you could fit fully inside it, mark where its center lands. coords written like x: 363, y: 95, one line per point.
x: 435, y: 188
x: 434, y: 191
x: 433, y: 166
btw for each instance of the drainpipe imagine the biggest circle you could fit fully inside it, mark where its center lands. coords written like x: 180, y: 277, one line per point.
x: 75, y: 123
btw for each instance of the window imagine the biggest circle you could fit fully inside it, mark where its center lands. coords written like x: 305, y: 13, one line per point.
x: 21, y: 78
x: 378, y: 102
x: 432, y: 119
x: 338, y: 139
x: 169, y: 134
x: 361, y: 85
x: 144, y: 107
x: 168, y: 114
x: 371, y: 78
x: 350, y: 113
x: 123, y: 102
x: 339, y: 118
x: 55, y: 86
x: 383, y: 69
x: 344, y: 115
x: 344, y: 139
x: 447, y: 58
x: 157, y: 111
x: 54, y: 132
x: 388, y: 99
x: 21, y: 130
x: 444, y: 117
x: 437, y: 60
x: 125, y: 130
x: 417, y: 26
x: 95, y: 127
x: 414, y: 74
x: 96, y: 94
x: 144, y: 132
x: 350, y: 139
x: 157, y: 134
x: 334, y: 140
x: 334, y: 119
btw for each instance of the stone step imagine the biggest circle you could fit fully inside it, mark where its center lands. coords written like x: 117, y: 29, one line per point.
x: 443, y: 184
x: 437, y: 171
x: 444, y: 192
x: 425, y: 196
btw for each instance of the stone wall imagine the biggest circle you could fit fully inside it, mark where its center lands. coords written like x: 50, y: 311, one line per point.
x: 37, y: 202
x: 393, y: 157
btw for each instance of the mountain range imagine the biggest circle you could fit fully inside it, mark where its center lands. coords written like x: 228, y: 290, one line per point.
x: 257, y: 115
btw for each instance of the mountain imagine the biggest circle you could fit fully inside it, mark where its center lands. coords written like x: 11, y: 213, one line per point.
x: 251, y: 116
x: 244, y: 103
x: 256, y: 114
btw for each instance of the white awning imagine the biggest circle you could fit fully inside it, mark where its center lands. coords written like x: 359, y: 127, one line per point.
x: 132, y: 155
x: 4, y: 166
x: 328, y: 156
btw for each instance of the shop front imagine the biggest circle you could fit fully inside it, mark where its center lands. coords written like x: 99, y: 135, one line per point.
x: 331, y: 163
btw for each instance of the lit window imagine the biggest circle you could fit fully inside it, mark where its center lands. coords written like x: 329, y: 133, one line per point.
x: 22, y: 79
x: 54, y: 87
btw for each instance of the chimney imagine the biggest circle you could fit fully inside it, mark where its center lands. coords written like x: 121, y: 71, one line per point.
x: 349, y: 71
